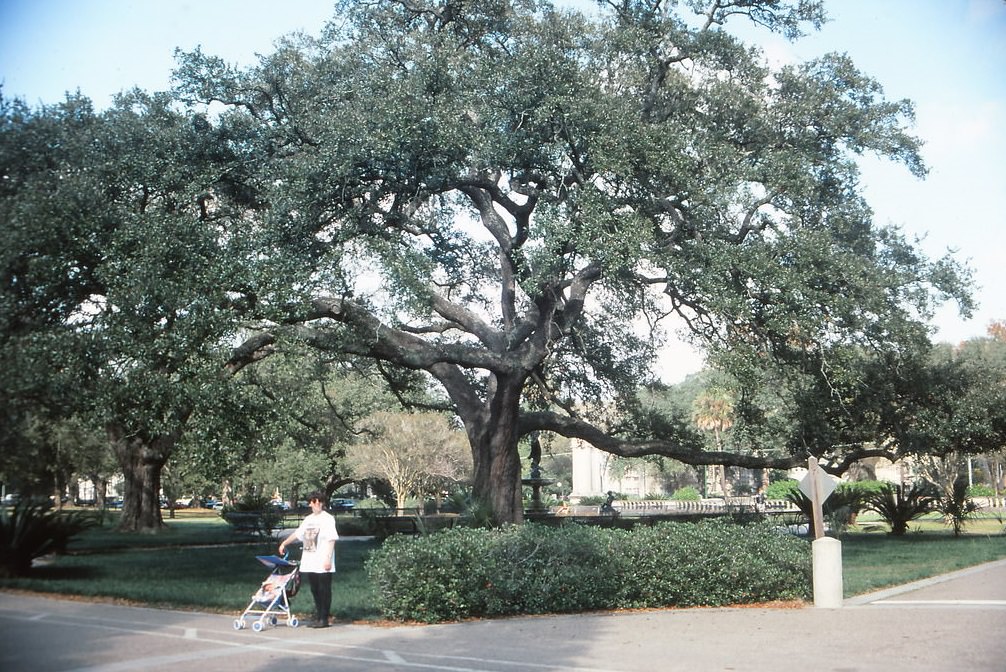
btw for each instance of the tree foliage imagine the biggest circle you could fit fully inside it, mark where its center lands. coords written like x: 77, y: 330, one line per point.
x: 499, y: 194
x: 122, y: 284
x: 511, y: 200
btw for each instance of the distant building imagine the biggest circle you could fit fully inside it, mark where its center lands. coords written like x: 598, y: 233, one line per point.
x: 593, y: 476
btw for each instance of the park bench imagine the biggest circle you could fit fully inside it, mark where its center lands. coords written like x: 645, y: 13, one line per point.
x: 388, y: 525
x: 261, y: 523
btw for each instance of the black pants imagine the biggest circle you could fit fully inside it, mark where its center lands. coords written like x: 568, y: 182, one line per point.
x: 321, y: 591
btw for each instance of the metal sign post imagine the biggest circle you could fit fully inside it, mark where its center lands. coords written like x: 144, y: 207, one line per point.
x: 827, y: 552
x: 818, y: 488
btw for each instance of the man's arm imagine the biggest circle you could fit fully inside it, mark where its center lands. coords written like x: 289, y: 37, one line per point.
x: 292, y: 537
x: 330, y: 555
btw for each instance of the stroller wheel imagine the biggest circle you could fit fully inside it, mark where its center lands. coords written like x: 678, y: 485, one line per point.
x: 257, y: 626
x: 239, y: 624
x: 273, y: 620
x: 292, y: 622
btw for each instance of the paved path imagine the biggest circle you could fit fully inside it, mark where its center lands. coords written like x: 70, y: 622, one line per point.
x: 954, y: 622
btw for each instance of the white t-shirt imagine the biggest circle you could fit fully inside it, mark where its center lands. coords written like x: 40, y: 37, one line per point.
x: 315, y: 532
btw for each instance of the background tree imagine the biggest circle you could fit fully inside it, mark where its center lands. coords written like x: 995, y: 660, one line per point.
x: 530, y: 184
x: 285, y: 425
x: 44, y: 279
x: 957, y: 408
x: 418, y: 454
x: 713, y: 412
x: 997, y: 331
x: 123, y: 283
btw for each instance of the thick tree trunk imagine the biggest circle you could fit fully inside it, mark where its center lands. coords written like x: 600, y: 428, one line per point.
x: 141, y: 463
x: 494, y: 438
x: 497, y: 478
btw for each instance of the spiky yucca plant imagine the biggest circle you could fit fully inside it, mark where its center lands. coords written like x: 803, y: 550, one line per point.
x: 899, y: 506
x: 957, y: 506
x: 846, y: 500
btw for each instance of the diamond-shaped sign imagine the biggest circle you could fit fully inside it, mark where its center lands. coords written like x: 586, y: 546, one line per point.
x: 825, y: 485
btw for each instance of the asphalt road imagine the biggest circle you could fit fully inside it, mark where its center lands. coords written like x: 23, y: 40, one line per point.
x: 954, y: 622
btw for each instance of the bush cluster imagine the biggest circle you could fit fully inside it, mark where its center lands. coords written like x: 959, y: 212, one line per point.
x: 534, y: 569
x: 979, y: 490
x: 687, y: 494
x: 254, y: 514
x: 782, y: 489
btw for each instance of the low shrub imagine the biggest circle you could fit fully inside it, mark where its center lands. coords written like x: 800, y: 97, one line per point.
x: 355, y: 526
x: 372, y: 503
x: 428, y: 578
x: 534, y: 569
x: 714, y: 563
x: 781, y: 489
x: 254, y: 515
x: 686, y: 494
x: 979, y: 490
x: 31, y: 530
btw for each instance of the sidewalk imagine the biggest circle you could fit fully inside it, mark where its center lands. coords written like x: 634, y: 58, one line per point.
x: 953, y: 622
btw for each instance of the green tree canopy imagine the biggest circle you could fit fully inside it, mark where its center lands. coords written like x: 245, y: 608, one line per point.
x: 510, y: 200
x: 123, y: 286
x: 499, y: 194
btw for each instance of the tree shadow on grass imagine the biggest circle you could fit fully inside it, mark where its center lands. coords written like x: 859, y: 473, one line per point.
x: 64, y: 573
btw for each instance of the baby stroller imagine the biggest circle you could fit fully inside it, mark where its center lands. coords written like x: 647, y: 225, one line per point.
x: 272, y: 599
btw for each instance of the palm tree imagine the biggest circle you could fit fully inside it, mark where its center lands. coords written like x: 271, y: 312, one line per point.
x: 713, y: 411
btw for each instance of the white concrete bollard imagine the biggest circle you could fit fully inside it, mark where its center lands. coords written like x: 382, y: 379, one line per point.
x: 827, y: 573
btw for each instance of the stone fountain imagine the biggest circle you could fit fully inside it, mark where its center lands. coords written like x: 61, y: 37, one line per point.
x: 536, y: 481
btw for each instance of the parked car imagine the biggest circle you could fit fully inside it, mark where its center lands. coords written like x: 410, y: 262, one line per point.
x: 341, y: 505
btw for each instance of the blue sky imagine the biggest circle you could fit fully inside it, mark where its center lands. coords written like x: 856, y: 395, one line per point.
x: 949, y: 56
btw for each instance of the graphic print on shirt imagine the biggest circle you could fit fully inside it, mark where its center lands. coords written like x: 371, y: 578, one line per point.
x: 311, y: 539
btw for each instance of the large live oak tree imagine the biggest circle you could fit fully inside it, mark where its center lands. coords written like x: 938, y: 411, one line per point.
x: 512, y: 197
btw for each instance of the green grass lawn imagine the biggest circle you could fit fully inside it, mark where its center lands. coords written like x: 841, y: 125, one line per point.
x: 875, y: 560
x: 200, y: 563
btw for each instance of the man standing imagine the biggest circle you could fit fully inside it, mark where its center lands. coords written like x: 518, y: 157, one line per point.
x: 317, y: 563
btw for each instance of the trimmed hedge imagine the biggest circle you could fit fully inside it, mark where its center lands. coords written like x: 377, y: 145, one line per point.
x: 534, y: 569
